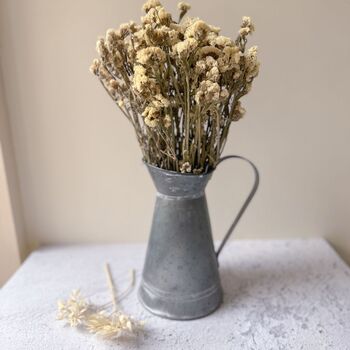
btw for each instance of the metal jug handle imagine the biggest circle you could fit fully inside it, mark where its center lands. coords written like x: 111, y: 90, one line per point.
x: 245, y: 204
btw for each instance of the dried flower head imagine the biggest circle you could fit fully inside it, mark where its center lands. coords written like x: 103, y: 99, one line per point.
x: 185, y: 48
x: 198, y: 30
x: 151, y: 55
x: 95, y: 66
x: 113, y: 326
x: 183, y: 6
x: 238, y: 111
x: 247, y: 26
x: 167, y: 121
x: 149, y: 4
x: 186, y: 167
x: 73, y: 310
x: 152, y: 116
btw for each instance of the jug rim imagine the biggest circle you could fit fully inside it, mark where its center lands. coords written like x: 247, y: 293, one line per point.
x: 172, y: 172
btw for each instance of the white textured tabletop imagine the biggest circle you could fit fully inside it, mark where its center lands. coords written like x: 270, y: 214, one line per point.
x: 288, y: 294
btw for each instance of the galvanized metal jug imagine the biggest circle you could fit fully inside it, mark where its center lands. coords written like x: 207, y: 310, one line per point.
x: 180, y: 278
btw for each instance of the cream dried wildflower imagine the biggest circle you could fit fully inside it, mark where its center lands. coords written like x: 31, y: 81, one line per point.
x: 224, y: 94
x: 113, y: 84
x: 104, y: 74
x: 186, y: 168
x: 210, y: 62
x: 214, y: 29
x: 164, y: 16
x: 111, y: 39
x: 101, y: 48
x: 126, y: 28
x: 117, y: 60
x: 186, y: 47
x: 167, y: 121
x: 200, y: 67
x: 123, y: 30
x: 173, y: 37
x: 252, y: 54
x: 252, y: 63
x: 161, y: 35
x: 198, y: 30
x: 187, y: 22
x: 247, y: 27
x: 156, y: 16
x: 238, y: 111
x: 244, y: 31
x: 111, y: 327
x: 230, y: 58
x: 177, y: 27
x: 94, y: 68
x: 222, y: 41
x: 76, y: 311
x: 151, y: 54
x: 73, y: 310
x: 210, y: 38
x: 183, y: 6
x: 247, y: 22
x: 149, y: 4
x: 151, y: 121
x: 159, y: 101
x: 213, y: 74
x: 151, y: 18
x: 197, y: 171
x: 208, y: 92
x: 141, y: 82
x: 252, y: 73
x: 151, y: 115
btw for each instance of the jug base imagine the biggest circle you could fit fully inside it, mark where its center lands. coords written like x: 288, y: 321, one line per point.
x: 179, y: 307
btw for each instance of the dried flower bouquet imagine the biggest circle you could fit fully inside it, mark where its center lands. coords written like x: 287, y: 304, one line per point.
x: 178, y: 83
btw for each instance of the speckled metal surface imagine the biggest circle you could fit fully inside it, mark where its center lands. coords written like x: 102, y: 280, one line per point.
x: 288, y: 294
x: 180, y: 279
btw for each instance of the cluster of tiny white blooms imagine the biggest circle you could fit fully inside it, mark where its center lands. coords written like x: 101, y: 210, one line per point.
x: 238, y: 111
x: 179, y: 83
x: 186, y: 167
x: 184, y: 48
x: 112, y: 327
x: 150, y: 4
x: 76, y: 311
x: 252, y: 63
x: 247, y: 26
x: 151, y: 55
x: 152, y: 116
x: 73, y: 310
x: 183, y: 6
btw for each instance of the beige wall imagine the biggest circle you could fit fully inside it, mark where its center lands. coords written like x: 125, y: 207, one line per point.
x: 80, y: 171
x: 12, y: 240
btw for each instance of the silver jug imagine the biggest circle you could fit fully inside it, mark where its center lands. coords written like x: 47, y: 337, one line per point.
x: 180, y: 278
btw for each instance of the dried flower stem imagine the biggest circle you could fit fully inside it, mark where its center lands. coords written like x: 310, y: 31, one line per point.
x: 111, y: 286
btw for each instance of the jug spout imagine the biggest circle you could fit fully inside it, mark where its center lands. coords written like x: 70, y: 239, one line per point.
x: 180, y: 278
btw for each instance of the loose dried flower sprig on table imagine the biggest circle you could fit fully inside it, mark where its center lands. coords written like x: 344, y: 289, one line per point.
x: 178, y: 83
x: 77, y: 311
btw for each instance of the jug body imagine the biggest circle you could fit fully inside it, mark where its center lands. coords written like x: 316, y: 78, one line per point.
x: 180, y: 279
